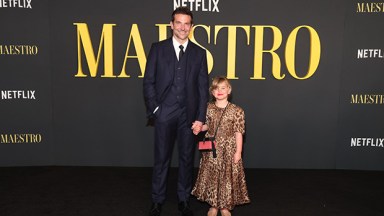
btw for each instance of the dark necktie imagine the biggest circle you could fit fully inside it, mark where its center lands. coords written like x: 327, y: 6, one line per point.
x: 181, y: 53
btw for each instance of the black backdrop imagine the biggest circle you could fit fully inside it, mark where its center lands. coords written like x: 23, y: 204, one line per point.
x: 323, y: 120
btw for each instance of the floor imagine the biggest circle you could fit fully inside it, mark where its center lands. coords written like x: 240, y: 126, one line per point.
x: 125, y: 191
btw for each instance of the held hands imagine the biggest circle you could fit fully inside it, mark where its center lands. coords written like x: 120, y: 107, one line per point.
x: 197, y: 127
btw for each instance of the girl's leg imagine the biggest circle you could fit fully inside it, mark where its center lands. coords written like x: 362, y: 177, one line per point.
x: 225, y: 212
x: 212, y: 211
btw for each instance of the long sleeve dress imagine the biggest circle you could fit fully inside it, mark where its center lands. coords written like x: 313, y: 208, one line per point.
x: 220, y: 182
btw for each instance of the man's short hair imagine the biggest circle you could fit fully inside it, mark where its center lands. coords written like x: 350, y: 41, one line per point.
x: 182, y: 10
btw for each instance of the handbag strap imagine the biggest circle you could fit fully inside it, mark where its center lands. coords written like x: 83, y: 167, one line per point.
x: 221, y: 117
x: 217, y: 128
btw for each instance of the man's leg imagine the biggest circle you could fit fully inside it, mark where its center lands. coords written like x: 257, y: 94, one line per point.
x: 186, y: 149
x: 164, y: 141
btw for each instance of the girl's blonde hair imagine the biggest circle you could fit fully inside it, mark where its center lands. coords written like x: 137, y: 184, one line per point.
x: 216, y: 81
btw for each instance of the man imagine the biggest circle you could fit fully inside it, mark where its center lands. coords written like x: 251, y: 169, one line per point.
x: 176, y: 95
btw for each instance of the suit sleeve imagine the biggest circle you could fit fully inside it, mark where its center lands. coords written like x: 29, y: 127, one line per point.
x: 203, y: 84
x: 149, y: 81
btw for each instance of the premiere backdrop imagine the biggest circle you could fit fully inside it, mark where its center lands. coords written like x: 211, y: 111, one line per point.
x: 25, y: 84
x: 307, y: 73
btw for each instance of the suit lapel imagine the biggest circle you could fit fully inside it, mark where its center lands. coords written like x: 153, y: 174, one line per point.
x: 170, y: 56
x: 189, y: 57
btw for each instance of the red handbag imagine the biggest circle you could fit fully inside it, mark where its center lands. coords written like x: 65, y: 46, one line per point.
x: 206, y: 144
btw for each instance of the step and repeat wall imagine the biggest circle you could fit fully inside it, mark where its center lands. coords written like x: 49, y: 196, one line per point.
x: 307, y: 73
x: 25, y: 84
x: 360, y: 143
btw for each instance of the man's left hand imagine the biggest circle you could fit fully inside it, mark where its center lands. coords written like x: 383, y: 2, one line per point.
x: 196, y: 127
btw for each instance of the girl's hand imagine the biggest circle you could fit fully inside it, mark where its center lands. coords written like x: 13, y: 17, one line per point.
x: 236, y: 157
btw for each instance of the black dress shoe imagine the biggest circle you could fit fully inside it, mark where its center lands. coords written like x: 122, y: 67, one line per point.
x: 155, y: 209
x: 185, y: 209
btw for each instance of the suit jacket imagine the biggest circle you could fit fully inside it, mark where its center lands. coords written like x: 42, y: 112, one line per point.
x: 159, y: 75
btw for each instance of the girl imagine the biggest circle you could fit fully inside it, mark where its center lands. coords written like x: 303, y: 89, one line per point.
x: 221, y: 180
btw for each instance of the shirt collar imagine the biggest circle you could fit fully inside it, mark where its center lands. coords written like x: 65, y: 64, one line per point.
x: 176, y: 45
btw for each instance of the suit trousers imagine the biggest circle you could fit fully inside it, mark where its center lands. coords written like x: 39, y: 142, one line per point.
x: 170, y: 126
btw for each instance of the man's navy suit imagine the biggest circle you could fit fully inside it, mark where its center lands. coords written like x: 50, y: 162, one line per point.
x: 179, y: 91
